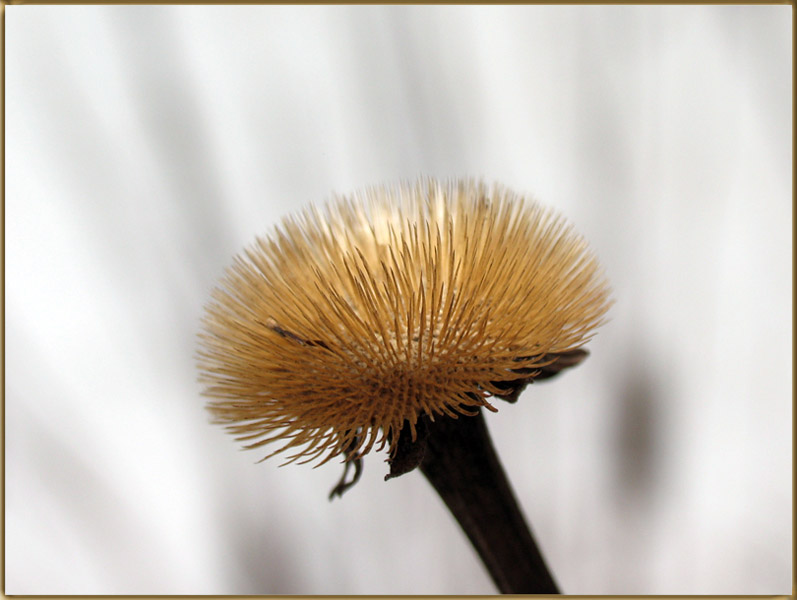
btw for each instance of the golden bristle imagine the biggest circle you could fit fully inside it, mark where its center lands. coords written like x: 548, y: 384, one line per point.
x: 397, y: 302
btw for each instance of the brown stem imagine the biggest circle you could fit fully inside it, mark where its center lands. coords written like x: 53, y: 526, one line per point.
x: 461, y: 464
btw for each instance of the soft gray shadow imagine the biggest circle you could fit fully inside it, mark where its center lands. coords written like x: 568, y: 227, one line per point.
x: 265, y: 560
x: 638, y: 436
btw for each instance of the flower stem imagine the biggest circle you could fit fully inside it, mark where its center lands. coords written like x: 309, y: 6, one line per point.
x: 462, y: 465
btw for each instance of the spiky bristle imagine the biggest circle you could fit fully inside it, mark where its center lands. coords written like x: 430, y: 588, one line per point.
x: 397, y: 302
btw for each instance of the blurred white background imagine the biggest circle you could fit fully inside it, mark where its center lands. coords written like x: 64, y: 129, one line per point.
x: 148, y: 145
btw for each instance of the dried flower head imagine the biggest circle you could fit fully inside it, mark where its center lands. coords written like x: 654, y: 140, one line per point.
x: 422, y: 299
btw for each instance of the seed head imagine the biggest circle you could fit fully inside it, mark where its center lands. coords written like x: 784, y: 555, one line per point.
x: 397, y: 302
